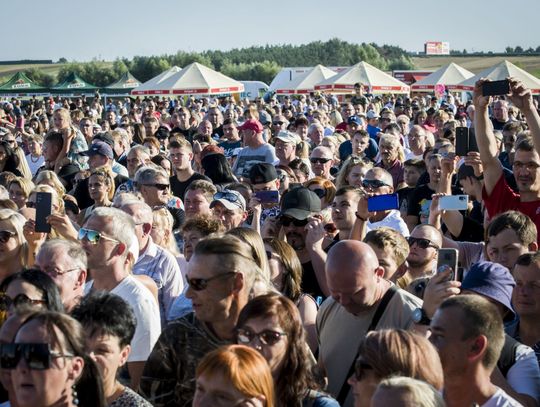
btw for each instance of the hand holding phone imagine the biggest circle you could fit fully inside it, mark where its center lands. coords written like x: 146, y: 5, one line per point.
x: 495, y: 88
x: 454, y: 202
x: 448, y: 259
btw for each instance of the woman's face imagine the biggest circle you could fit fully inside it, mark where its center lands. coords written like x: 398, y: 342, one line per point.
x: 35, y: 148
x: 213, y: 389
x: 364, y: 387
x: 97, y: 188
x: 11, y: 247
x: 32, y: 295
x: 152, y: 149
x: 356, y: 175
x: 17, y: 195
x: 50, y: 386
x: 277, y: 270
x: 166, y: 165
x: 300, y: 176
x: 60, y: 122
x: 159, y: 231
x: 106, y: 351
x: 275, y: 353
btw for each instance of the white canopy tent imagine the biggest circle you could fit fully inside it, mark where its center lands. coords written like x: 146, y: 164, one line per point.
x: 197, y: 79
x: 449, y: 75
x: 153, y: 86
x: 305, y: 83
x: 372, y: 78
x: 502, y: 71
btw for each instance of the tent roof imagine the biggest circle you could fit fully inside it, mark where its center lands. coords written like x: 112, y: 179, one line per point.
x: 197, y: 79
x: 125, y: 83
x: 20, y: 83
x: 366, y: 74
x: 502, y: 71
x: 449, y: 75
x: 151, y: 86
x: 73, y: 83
x: 306, y: 82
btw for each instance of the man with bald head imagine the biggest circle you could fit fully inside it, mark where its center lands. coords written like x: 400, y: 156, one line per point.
x: 361, y: 300
x: 424, y: 243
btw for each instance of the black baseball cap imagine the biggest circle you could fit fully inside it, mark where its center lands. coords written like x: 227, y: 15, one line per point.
x: 300, y: 203
x: 262, y: 173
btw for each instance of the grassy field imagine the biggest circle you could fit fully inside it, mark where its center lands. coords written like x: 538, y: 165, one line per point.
x: 476, y: 64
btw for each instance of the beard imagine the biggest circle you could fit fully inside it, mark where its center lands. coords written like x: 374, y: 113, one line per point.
x: 296, y: 241
x: 418, y: 262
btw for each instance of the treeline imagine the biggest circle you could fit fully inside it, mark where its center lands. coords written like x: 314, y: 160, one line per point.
x: 520, y: 50
x: 253, y: 63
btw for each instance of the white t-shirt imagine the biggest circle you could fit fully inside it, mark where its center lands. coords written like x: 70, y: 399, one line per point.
x: 34, y: 165
x: 501, y: 399
x: 392, y: 220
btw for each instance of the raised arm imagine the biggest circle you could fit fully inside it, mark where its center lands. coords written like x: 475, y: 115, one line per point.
x: 521, y: 97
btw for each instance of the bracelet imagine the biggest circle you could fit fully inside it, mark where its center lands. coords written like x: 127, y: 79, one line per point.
x: 359, y: 217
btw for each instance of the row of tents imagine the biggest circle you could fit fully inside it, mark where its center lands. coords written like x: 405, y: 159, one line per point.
x: 197, y: 79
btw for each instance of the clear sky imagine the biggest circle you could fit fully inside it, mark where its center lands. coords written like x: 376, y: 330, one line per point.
x: 106, y: 29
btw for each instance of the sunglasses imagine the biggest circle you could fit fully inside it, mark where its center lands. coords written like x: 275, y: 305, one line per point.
x: 5, y: 235
x: 277, y: 123
x: 315, y: 160
x: 159, y: 187
x: 93, y: 236
x: 321, y: 193
x: 19, y: 300
x: 199, y: 284
x: 360, y: 368
x: 266, y: 337
x: 421, y: 242
x: 286, y: 221
x: 38, y: 356
x: 374, y: 183
x: 226, y: 195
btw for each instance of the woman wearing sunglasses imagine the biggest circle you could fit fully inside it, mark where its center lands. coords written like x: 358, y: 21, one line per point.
x: 271, y: 324
x: 13, y: 244
x: 233, y: 376
x: 392, y: 352
x: 49, y: 366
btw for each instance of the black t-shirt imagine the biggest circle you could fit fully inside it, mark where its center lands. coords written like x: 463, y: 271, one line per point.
x: 310, y: 285
x: 178, y: 188
x: 83, y: 196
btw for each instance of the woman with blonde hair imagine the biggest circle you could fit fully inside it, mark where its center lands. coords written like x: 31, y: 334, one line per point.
x: 406, y: 391
x: 47, y: 177
x: 233, y: 375
x: 24, y: 168
x: 19, y: 190
x: 13, y: 244
x: 162, y: 234
x: 352, y: 172
x: 389, y: 352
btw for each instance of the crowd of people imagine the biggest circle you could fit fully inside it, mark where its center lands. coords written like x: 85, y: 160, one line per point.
x: 222, y: 252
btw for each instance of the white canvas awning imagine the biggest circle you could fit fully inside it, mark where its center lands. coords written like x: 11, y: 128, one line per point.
x: 305, y: 83
x: 449, y: 75
x: 153, y: 86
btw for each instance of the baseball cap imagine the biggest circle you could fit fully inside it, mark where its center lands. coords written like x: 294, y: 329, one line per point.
x: 162, y: 132
x: 251, y: 124
x: 262, y: 173
x: 229, y: 199
x: 286, y: 136
x: 354, y: 120
x: 491, y: 280
x: 372, y: 115
x: 300, y: 203
x: 265, y: 118
x: 104, y: 136
x: 99, y: 147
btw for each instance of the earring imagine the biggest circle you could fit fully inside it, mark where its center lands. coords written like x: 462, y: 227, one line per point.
x: 74, y: 395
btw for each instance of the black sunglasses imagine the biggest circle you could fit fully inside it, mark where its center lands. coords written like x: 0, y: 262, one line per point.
x: 266, y: 337
x: 159, y: 187
x: 421, y: 242
x: 21, y: 299
x: 286, y: 221
x: 199, y: 284
x: 38, y: 356
x: 374, y: 183
x: 321, y: 193
x: 5, y: 235
x: 277, y: 123
x: 315, y: 160
x: 360, y: 368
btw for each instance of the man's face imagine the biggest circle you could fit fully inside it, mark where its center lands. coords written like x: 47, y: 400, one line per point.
x: 295, y: 233
x: 151, y: 127
x: 285, y: 151
x: 375, y: 189
x: 316, y: 135
x: 195, y: 203
x: 526, y: 294
x: 500, y: 112
x: 505, y: 248
x: 181, y: 158
x: 417, y: 139
x: 389, y: 151
x: 103, y: 253
x: 97, y: 160
x: 230, y: 218
x: 527, y: 170
x: 347, y: 111
x: 385, y: 120
x: 205, y: 128
x: 411, y: 175
x: 111, y: 118
x: 134, y: 160
x: 86, y: 127
x: 356, y: 175
x: 214, y: 303
x: 154, y: 193
x: 50, y: 152
x: 344, y: 209
x: 359, y: 144
x: 434, y: 169
x: 62, y: 269
x: 230, y: 131
x: 446, y: 335
x: 321, y: 162
x: 419, y: 257
x: 214, y: 117
x: 509, y: 140
x: 266, y: 186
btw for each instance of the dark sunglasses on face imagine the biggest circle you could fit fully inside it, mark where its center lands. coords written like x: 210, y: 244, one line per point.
x: 266, y: 337
x: 315, y: 160
x: 286, y: 221
x: 421, y: 242
x: 321, y: 193
x: 374, y: 183
x: 360, y: 368
x: 159, y: 187
x: 277, y: 123
x: 37, y: 356
x: 93, y: 236
x: 19, y: 300
x: 5, y: 235
x: 199, y: 284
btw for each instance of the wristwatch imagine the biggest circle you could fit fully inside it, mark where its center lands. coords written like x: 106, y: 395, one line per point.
x: 420, y: 317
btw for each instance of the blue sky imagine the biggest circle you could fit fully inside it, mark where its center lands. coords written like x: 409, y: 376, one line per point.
x: 107, y: 29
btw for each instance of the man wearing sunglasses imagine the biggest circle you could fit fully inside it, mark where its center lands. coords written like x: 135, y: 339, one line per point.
x: 424, y: 243
x: 322, y: 160
x: 229, y: 207
x: 106, y: 238
x: 220, y: 277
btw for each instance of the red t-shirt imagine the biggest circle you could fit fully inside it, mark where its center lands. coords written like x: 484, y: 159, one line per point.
x: 503, y: 199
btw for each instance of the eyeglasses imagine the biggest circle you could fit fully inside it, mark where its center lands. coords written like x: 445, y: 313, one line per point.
x: 199, y: 284
x: 266, y: 337
x: 5, y: 235
x: 374, y: 183
x: 93, y: 236
x: 530, y: 166
x: 315, y: 160
x: 321, y: 193
x: 421, y: 242
x: 360, y: 368
x: 286, y: 221
x: 38, y: 356
x: 7, y: 302
x: 229, y: 196
x: 53, y: 272
x: 159, y: 187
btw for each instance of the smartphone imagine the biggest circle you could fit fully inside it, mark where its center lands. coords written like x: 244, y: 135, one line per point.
x: 267, y: 197
x: 43, y: 210
x: 384, y: 202
x: 462, y: 141
x: 448, y: 258
x: 493, y: 88
x: 454, y: 202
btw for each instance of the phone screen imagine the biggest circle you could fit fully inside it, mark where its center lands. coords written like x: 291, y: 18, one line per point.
x: 267, y: 196
x: 384, y: 202
x: 43, y: 210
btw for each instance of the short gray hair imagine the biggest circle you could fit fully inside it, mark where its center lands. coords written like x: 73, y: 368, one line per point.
x: 123, y: 226
x: 72, y: 250
x: 148, y: 173
x: 421, y: 393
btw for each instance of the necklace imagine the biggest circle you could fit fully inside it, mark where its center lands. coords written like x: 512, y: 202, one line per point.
x: 32, y: 158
